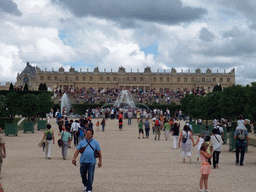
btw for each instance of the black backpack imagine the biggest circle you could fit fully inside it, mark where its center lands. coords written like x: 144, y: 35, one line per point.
x: 241, y: 135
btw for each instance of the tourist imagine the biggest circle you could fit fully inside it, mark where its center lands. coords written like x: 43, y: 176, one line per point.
x: 140, y: 126
x: 120, y: 121
x: 103, y: 124
x: 185, y: 143
x: 49, y: 140
x: 81, y: 134
x: 175, y: 135
x: 242, y: 140
x: 241, y: 123
x: 157, y: 129
x: 205, y: 169
x: 206, y: 132
x: 216, y: 142
x: 74, y: 130
x: 97, y: 125
x: 66, y: 138
x: 2, y: 151
x: 147, y: 127
x: 153, y: 126
x: 167, y: 129
x: 199, y: 142
x: 1, y: 187
x: 138, y: 115
x: 87, y: 159
x: 129, y: 115
x: 208, y: 141
x: 60, y: 123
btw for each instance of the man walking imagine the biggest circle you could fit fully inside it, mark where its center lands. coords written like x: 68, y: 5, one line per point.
x: 242, y: 140
x: 87, y: 159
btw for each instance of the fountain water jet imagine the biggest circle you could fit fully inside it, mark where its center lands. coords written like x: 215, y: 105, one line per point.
x: 65, y: 104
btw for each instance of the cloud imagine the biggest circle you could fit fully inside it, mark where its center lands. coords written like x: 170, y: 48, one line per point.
x: 206, y: 35
x: 8, y: 6
x: 168, y: 12
x: 234, y: 32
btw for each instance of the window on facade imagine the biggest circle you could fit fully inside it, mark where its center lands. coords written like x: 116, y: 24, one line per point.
x: 168, y: 79
x: 134, y: 78
x: 101, y: 78
x: 192, y: 79
x: 154, y: 78
x: 141, y: 78
x: 91, y: 78
x: 228, y: 79
x: 161, y: 78
x: 203, y: 79
x: 66, y: 78
x: 221, y: 79
x: 49, y: 78
x: 55, y: 78
x: 41, y: 78
x: 213, y: 79
x: 127, y: 78
x: 84, y: 78
x: 77, y: 78
x: 114, y: 78
x: 108, y: 78
x: 185, y: 79
x: 178, y: 79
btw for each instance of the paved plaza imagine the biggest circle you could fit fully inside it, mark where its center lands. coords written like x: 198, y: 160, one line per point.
x: 129, y: 164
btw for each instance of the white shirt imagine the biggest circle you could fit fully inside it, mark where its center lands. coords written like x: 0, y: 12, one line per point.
x: 75, y: 126
x: 217, y: 145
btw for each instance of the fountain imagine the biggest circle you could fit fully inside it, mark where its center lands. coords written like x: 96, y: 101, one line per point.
x: 124, y: 100
x: 65, y: 105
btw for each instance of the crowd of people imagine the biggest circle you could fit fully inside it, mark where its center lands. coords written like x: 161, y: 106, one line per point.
x: 208, y: 144
x: 109, y: 95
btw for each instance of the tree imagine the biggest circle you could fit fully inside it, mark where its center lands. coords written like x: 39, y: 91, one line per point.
x: 217, y: 88
x: 185, y: 102
x: 2, y: 103
x: 29, y: 105
x: 26, y: 87
x: 45, y: 104
x: 11, y: 87
x: 42, y: 87
x: 233, y: 101
x: 13, y: 103
x: 251, y: 98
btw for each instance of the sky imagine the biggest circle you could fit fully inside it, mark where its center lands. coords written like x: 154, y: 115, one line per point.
x: 161, y: 34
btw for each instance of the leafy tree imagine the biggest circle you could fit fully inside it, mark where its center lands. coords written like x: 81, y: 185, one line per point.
x: 13, y: 103
x: 251, y: 104
x: 185, y: 102
x: 26, y: 87
x: 2, y: 103
x: 217, y: 88
x: 233, y: 101
x: 11, y: 87
x: 45, y: 104
x: 212, y: 107
x: 42, y: 87
x: 29, y: 105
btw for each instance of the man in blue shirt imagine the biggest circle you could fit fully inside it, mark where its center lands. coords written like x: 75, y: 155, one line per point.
x: 242, y: 140
x: 87, y: 159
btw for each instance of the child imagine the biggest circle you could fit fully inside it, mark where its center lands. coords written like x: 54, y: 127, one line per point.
x: 199, y: 142
x: 153, y: 126
x: 205, y: 169
x: 103, y: 124
x: 207, y: 140
x: 241, y: 123
x: 97, y: 125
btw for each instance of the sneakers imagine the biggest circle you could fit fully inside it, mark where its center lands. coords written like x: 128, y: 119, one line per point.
x: 84, y: 189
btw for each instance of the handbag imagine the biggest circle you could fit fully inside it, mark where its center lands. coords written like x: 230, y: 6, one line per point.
x: 184, y: 139
x: 60, y: 141
x: 96, y: 153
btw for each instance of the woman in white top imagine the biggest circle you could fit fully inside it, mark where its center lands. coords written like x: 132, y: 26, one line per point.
x: 185, y: 143
x: 216, y: 143
x: 241, y: 123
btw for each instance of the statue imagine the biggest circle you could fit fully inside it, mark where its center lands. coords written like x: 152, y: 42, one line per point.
x: 96, y: 70
x: 173, y: 70
x: 121, y: 70
x: 147, y: 70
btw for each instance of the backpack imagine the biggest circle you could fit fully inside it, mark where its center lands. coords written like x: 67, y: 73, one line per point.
x: 218, y: 130
x: 241, y: 135
x: 157, y: 123
x: 48, y: 134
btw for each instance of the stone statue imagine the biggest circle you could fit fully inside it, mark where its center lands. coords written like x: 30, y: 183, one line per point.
x: 208, y: 71
x: 121, y: 70
x: 173, y: 70
x: 147, y: 70
x: 96, y: 70
x: 198, y: 70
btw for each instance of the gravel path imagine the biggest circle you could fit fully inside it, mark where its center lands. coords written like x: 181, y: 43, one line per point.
x: 129, y: 164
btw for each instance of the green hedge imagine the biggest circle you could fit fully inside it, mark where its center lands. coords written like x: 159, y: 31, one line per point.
x: 4, y: 92
x: 4, y: 120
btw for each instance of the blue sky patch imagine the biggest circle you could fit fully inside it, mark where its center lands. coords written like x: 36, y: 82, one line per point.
x: 151, y: 49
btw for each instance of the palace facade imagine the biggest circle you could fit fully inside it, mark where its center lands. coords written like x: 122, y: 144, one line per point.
x: 33, y: 76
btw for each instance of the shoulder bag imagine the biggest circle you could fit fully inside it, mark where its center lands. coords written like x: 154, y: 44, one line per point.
x: 60, y: 141
x: 96, y: 153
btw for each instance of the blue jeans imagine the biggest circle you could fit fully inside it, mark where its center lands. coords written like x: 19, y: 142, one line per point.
x: 129, y: 121
x: 240, y: 147
x: 87, y: 174
x: 103, y: 127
